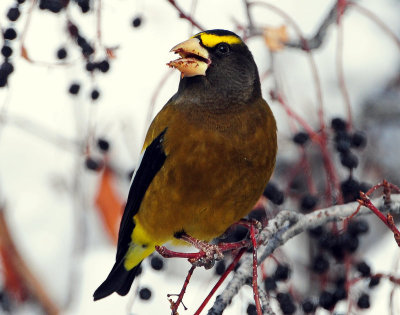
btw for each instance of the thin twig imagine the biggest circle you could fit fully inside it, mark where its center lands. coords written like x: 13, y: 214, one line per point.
x: 220, y: 280
x: 340, y: 74
x: 175, y: 305
x: 183, y: 15
x: 254, y: 281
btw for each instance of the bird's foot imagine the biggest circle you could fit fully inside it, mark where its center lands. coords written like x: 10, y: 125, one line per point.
x: 207, y: 255
x: 249, y: 223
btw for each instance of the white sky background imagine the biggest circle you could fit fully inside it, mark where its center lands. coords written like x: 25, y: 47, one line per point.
x: 35, y: 175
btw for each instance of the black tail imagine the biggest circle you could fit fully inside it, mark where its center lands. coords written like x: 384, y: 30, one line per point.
x: 119, y: 280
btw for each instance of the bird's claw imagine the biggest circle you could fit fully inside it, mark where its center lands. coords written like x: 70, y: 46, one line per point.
x: 208, y: 255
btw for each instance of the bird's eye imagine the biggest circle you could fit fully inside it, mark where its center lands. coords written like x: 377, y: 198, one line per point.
x: 223, y: 48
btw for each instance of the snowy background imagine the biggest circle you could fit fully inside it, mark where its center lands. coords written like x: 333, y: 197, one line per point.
x: 48, y: 193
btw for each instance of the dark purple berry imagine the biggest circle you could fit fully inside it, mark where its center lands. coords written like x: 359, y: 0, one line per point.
x: 92, y: 164
x: 308, y: 306
x: 6, y: 51
x: 103, y: 144
x: 20, y: 1
x: 286, y: 304
x: 363, y: 301
x: 236, y: 234
x: 340, y: 293
x: 374, y: 281
x: 61, y: 53
x: 251, y: 309
x: 220, y: 268
x: 282, y: 272
x: 301, y: 138
x: 317, y: 232
x: 54, y: 6
x: 137, y: 21
x: 90, y: 66
x: 343, y: 141
x: 338, y: 124
x: 86, y: 48
x: 156, y: 263
x: 84, y: 5
x: 94, y: 95
x: 351, y: 242
x: 340, y: 281
x: 348, y: 160
x: 10, y: 34
x: 145, y: 294
x: 272, y: 192
x: 3, y: 80
x: 364, y: 187
x: 308, y: 202
x: 7, y: 68
x: 356, y: 227
x: 327, y: 300
x: 350, y: 189
x: 13, y: 14
x: 269, y: 284
x: 258, y: 214
x: 74, y: 88
x: 104, y: 66
x: 320, y: 264
x: 358, y: 140
x: 73, y: 30
x: 364, y: 269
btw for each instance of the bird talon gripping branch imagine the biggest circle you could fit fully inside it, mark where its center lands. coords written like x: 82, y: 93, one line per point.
x: 206, y: 159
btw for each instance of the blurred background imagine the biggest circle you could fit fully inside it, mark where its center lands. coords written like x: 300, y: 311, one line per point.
x: 80, y: 82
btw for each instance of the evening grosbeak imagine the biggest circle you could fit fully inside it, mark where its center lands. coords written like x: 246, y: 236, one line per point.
x: 206, y: 159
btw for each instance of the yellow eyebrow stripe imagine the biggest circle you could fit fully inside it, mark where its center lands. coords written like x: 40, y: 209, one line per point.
x: 211, y: 40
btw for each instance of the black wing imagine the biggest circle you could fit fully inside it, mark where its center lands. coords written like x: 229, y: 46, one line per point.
x: 120, y: 280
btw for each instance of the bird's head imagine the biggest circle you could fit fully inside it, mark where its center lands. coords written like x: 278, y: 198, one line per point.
x: 219, y: 61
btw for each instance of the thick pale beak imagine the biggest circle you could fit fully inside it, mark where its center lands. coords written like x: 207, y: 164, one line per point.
x: 194, y: 58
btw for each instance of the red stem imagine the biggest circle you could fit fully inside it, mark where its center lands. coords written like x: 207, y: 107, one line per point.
x: 321, y: 141
x: 254, y: 283
x: 310, y: 56
x: 223, y: 277
x: 340, y: 73
x: 365, y: 201
x: 175, y: 306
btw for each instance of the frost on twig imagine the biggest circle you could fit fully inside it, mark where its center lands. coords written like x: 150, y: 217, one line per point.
x: 285, y: 226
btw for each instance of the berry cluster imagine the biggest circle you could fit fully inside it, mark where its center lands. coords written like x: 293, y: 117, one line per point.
x: 333, y: 247
x: 102, y: 66
x: 9, y: 35
x: 56, y: 6
x: 328, y: 264
x: 80, y: 40
x: 103, y: 145
x: 344, y: 143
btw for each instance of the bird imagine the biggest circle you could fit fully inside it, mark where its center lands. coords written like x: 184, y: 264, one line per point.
x: 207, y: 155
